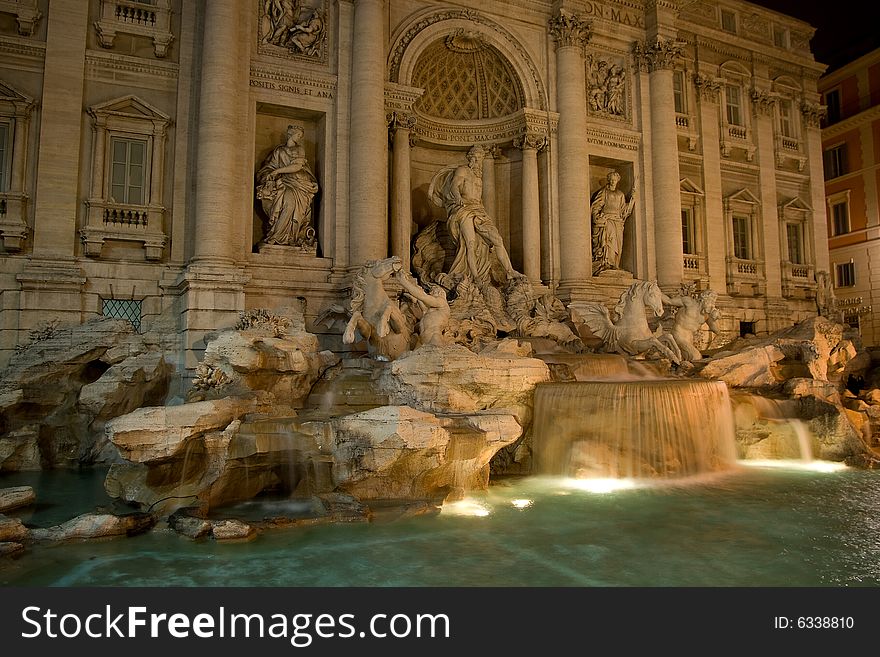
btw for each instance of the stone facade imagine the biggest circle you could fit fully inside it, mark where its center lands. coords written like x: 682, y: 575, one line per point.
x: 132, y: 134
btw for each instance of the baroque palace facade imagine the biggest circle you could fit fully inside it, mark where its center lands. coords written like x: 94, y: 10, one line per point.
x: 133, y: 135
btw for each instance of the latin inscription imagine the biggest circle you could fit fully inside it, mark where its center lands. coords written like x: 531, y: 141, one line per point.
x: 599, y: 10
x: 292, y: 89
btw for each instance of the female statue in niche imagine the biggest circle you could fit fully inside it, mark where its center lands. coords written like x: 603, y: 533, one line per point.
x: 286, y: 187
x: 609, y: 210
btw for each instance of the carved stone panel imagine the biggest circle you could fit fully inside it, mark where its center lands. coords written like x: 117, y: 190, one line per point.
x: 607, y: 86
x: 293, y: 29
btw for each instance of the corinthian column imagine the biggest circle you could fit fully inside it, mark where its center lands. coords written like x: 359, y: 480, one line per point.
x: 401, y: 126
x: 222, y: 113
x: 530, y: 144
x: 658, y: 58
x: 571, y: 35
x: 369, y: 137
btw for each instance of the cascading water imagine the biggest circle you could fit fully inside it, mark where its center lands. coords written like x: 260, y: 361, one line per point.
x: 633, y: 429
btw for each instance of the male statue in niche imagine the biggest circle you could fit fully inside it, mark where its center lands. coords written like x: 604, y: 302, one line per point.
x: 609, y: 211
x: 286, y: 188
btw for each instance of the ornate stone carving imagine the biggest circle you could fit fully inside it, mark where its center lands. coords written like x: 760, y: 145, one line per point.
x: 606, y: 87
x: 432, y: 17
x: 708, y: 88
x: 754, y: 26
x: 529, y: 140
x: 262, y: 318
x: 692, y: 311
x: 813, y: 113
x: 459, y: 189
x: 629, y: 332
x: 400, y: 121
x: 656, y: 56
x: 570, y: 30
x: 286, y: 188
x: 378, y: 319
x: 763, y: 102
x: 285, y: 25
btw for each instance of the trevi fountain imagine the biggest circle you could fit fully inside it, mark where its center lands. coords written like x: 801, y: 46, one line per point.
x: 452, y: 424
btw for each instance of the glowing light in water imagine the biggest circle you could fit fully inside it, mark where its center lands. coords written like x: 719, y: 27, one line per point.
x: 600, y: 485
x: 465, y: 507
x: 521, y: 504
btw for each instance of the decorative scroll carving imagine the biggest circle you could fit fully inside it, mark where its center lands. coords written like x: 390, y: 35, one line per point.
x: 763, y: 102
x: 400, y: 121
x: 708, y: 88
x: 813, y: 114
x: 570, y: 30
x: 658, y: 55
x: 530, y: 140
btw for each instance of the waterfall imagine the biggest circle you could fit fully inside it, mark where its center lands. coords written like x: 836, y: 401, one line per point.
x: 633, y: 429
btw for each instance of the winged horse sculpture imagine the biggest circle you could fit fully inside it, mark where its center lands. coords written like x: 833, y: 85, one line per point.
x: 630, y: 333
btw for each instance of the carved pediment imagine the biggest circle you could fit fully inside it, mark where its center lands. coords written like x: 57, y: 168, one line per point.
x: 742, y: 196
x: 130, y: 106
x: 688, y: 186
x: 14, y: 102
x: 796, y: 204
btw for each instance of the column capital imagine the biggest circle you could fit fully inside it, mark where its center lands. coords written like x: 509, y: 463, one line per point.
x: 530, y: 141
x: 398, y: 120
x: 570, y: 30
x: 813, y: 113
x: 708, y: 88
x: 657, y: 55
x: 763, y: 102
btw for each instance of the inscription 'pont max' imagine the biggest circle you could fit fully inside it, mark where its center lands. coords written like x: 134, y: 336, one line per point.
x: 598, y: 10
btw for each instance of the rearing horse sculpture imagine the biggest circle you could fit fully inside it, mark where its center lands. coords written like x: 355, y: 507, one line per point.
x: 374, y: 315
x: 630, y: 334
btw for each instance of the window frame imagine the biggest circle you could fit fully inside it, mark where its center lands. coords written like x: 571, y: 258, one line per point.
x: 835, y: 161
x: 839, y: 268
x: 740, y: 119
x: 837, y: 200
x: 145, y: 169
x: 745, y: 221
x: 729, y: 22
x: 833, y: 107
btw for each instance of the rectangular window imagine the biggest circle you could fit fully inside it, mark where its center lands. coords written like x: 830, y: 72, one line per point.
x: 128, y: 170
x: 780, y: 37
x: 728, y: 21
x: 839, y: 218
x: 846, y: 275
x: 688, y: 232
x: 678, y: 91
x: 746, y: 328
x: 733, y: 96
x: 129, y: 309
x: 742, y: 238
x: 852, y: 320
x: 5, y: 153
x: 832, y: 102
x: 835, y: 161
x: 794, y: 233
x: 786, y: 124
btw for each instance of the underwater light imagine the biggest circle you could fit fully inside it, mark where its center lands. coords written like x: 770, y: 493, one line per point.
x: 465, y: 508
x: 521, y: 504
x: 600, y: 485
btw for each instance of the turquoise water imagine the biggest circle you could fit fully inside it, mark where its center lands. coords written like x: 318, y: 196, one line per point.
x: 754, y: 526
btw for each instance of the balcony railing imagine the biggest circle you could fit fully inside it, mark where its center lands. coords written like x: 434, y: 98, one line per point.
x: 130, y: 17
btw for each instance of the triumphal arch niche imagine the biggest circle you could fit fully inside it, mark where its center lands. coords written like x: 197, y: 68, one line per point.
x: 460, y: 80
